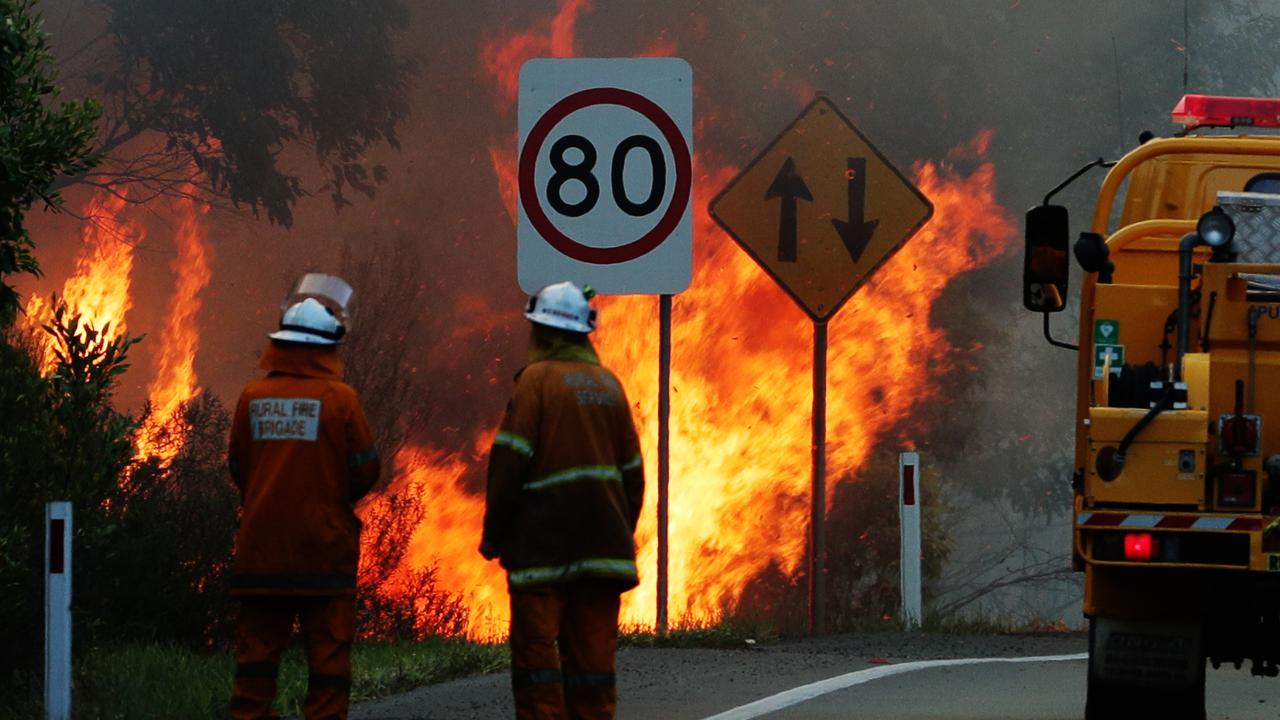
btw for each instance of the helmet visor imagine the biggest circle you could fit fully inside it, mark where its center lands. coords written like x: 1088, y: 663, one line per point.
x: 329, y: 287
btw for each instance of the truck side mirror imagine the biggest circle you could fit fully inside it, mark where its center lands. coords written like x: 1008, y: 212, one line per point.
x: 1046, y: 264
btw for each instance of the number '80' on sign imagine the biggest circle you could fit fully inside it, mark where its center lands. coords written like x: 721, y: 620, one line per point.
x: 604, y: 176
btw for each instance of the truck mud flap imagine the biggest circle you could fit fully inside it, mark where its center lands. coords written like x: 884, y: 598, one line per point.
x: 1146, y: 653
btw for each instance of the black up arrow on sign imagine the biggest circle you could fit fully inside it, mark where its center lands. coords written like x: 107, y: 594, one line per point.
x: 855, y: 232
x: 788, y: 185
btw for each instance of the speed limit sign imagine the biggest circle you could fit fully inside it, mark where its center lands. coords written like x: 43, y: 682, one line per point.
x: 605, y: 174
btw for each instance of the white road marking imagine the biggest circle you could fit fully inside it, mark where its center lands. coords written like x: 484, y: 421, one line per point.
x: 797, y: 695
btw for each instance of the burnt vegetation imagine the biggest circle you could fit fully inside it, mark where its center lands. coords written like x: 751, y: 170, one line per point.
x: 188, y: 113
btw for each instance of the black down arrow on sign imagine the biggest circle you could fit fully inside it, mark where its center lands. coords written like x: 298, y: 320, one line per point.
x: 855, y: 232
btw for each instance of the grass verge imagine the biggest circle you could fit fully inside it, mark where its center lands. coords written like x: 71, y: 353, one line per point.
x: 711, y: 632
x: 159, y: 681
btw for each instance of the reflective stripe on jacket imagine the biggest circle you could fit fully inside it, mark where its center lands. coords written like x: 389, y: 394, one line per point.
x: 566, y: 479
x: 302, y: 455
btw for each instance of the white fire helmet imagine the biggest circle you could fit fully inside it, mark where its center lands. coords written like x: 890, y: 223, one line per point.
x: 311, y: 323
x: 562, y: 305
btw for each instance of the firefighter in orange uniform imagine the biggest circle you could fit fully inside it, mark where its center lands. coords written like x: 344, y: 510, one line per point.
x: 302, y: 455
x: 564, y: 492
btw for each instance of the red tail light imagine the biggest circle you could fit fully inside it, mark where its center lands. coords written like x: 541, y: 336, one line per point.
x: 1140, y: 547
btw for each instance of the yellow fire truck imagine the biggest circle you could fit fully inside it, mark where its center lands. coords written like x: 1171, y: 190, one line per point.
x: 1177, y: 481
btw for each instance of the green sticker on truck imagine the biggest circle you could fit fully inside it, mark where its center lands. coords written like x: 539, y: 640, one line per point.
x: 1106, y: 332
x: 1104, y: 354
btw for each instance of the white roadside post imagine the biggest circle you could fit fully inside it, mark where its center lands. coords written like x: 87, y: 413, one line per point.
x: 909, y: 516
x: 57, y: 611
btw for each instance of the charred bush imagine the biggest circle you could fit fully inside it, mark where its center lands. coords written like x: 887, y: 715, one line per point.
x: 178, y: 522
x: 60, y: 439
x: 394, y: 602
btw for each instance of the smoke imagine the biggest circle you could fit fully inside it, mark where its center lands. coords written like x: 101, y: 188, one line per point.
x: 1056, y: 84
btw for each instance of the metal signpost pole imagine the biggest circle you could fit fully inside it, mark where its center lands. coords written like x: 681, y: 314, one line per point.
x: 820, y: 209
x: 57, y: 611
x: 818, y: 516
x: 909, y: 515
x: 664, y: 452
x: 578, y: 104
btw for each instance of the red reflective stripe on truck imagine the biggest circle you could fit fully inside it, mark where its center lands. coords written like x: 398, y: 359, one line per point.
x: 1245, y: 524
x: 1104, y: 519
x: 1176, y: 521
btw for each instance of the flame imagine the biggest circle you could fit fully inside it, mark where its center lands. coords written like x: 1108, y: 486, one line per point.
x: 500, y: 59
x: 741, y: 388
x: 741, y: 393
x: 741, y: 382
x: 98, y: 289
x: 175, y: 382
x: 450, y: 532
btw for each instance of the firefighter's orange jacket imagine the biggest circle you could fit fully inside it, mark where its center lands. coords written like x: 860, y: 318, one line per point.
x: 302, y: 455
x: 566, y: 480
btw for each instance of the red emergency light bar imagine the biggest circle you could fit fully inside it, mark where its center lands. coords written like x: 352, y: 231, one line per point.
x: 1194, y: 111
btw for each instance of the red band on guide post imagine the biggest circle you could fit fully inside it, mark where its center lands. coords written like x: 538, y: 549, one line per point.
x: 57, y: 550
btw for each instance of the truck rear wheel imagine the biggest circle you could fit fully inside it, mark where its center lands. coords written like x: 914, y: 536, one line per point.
x: 1115, y: 695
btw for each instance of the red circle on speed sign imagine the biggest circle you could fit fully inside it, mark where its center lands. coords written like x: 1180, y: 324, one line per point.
x: 529, y: 193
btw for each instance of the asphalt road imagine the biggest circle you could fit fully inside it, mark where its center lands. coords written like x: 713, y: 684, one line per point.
x: 695, y: 684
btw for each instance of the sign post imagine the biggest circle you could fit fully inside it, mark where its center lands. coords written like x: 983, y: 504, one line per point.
x: 605, y: 175
x: 664, y: 456
x: 818, y: 496
x: 909, y: 520
x: 57, y: 611
x: 820, y: 210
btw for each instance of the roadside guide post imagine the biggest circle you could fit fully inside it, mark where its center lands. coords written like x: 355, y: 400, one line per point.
x: 909, y: 521
x: 605, y: 178
x: 57, y: 611
x: 857, y: 211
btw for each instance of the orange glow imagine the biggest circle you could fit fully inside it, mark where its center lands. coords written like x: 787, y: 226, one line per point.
x: 501, y: 59
x: 741, y: 389
x: 175, y: 381
x: 741, y: 395
x: 741, y: 381
x: 450, y: 533
x: 98, y: 290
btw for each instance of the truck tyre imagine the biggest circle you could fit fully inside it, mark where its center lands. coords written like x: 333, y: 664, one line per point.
x: 1124, y: 701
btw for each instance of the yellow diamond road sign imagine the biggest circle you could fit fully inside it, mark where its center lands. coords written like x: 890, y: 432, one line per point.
x: 820, y: 209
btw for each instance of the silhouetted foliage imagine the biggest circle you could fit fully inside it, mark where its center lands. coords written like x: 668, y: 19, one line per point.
x: 41, y: 139
x: 60, y: 439
x: 208, y: 97
x: 178, y: 524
